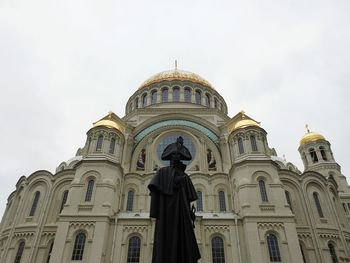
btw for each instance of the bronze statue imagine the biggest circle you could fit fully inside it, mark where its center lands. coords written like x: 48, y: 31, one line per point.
x: 172, y: 192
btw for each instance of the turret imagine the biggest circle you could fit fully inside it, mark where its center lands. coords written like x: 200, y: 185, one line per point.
x: 317, y: 155
x: 105, y: 138
x: 247, y: 138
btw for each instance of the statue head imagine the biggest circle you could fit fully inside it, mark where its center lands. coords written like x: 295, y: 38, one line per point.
x: 176, y: 151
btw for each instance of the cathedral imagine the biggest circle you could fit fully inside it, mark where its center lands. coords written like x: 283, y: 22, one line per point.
x: 252, y: 206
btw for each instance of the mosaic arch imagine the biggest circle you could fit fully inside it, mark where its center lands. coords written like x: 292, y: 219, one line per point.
x: 180, y: 123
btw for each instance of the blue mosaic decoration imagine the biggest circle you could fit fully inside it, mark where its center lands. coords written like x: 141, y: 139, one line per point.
x: 211, y: 135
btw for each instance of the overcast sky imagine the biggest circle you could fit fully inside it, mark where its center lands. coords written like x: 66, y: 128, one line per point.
x: 65, y: 64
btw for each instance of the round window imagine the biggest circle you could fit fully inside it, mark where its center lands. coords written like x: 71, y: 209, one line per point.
x: 165, y: 141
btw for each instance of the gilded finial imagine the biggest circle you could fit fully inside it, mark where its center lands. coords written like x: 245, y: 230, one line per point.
x: 243, y: 113
x: 175, y: 64
x: 307, y: 127
x: 284, y: 157
x: 110, y: 115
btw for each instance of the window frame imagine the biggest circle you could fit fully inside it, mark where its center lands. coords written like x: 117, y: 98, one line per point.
x: 207, y: 100
x: 130, y: 199
x: 79, y: 247
x: 63, y: 200
x: 199, y: 201
x: 20, y: 251
x: 165, y: 95
x: 313, y: 155
x: 134, y: 247
x: 333, y: 252
x: 154, y: 95
x: 317, y: 202
x: 187, y: 95
x: 222, y: 201
x: 99, y: 143
x: 217, y: 249
x: 240, y: 145
x: 289, y: 199
x: 198, y: 97
x: 34, y: 203
x: 48, y: 256
x: 112, y: 145
x: 273, y: 248
x: 253, y: 143
x: 263, y: 191
x: 323, y: 153
x: 89, y: 190
x: 144, y: 100
x: 176, y: 91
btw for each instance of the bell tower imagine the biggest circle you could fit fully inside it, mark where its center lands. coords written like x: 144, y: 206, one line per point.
x: 317, y: 155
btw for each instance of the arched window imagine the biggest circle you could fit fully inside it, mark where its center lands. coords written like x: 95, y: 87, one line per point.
x: 144, y: 100
x: 198, y: 97
x: 99, y: 143
x: 344, y: 206
x: 79, y: 246
x: 207, y: 100
x: 199, y: 201
x: 274, y: 251
x: 89, y: 190
x: 302, y: 252
x: 318, y: 204
x: 19, y: 252
x: 240, y: 146
x: 136, y: 103
x: 222, y: 201
x: 332, y: 253
x: 218, y: 250
x: 35, y: 203
x: 134, y: 250
x: 176, y: 94
x: 253, y: 143
x: 164, y: 95
x: 313, y: 155
x: 289, y: 200
x: 130, y: 107
x: 263, y: 192
x: 130, y: 201
x: 215, y: 103
x: 112, y: 146
x: 323, y: 153
x: 64, y: 199
x: 154, y: 97
x: 49, y: 253
x: 187, y: 94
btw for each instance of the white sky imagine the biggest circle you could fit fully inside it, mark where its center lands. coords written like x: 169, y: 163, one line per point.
x: 65, y: 64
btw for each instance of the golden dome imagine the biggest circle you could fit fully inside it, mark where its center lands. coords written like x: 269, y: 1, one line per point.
x: 108, y: 122
x: 176, y: 74
x: 311, y: 137
x: 244, y: 123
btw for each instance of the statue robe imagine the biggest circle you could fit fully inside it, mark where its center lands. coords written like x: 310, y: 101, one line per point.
x: 174, y: 239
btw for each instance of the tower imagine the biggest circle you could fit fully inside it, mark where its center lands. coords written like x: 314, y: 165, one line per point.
x: 317, y: 155
x: 258, y: 192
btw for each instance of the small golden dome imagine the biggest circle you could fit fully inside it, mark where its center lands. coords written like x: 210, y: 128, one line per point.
x: 107, y: 122
x: 240, y: 120
x: 176, y: 74
x: 311, y: 137
x: 244, y: 123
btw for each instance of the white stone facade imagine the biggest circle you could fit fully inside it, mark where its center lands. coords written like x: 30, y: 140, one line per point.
x: 254, y: 208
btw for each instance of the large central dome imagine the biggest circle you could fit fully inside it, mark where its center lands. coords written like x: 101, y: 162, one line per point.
x: 176, y: 74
